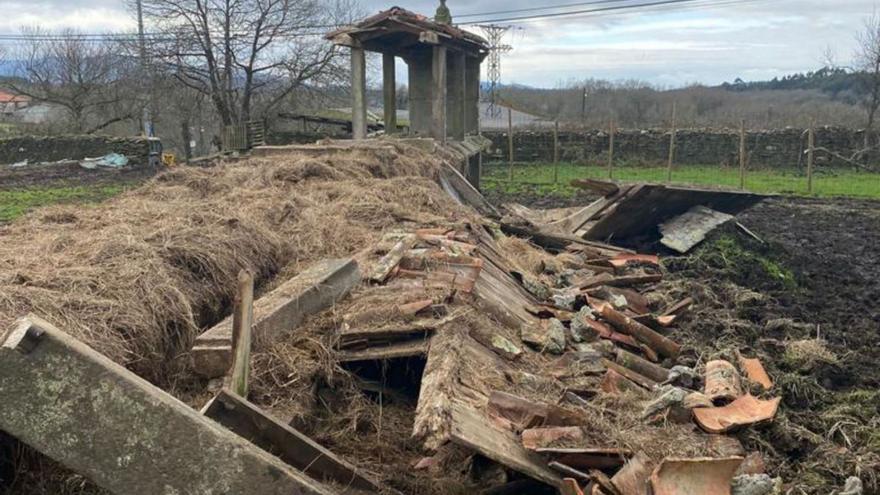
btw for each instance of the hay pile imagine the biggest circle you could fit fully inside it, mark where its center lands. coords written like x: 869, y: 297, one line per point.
x: 138, y: 277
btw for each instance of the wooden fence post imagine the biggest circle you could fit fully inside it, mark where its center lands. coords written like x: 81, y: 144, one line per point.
x: 811, y: 144
x: 742, y: 154
x: 556, y: 152
x: 242, y: 326
x: 671, y: 147
x: 509, y: 144
x: 611, y: 131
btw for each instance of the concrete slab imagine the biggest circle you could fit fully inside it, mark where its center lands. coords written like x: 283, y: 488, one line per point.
x: 100, y: 420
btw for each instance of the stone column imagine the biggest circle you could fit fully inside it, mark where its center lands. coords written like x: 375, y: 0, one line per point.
x: 472, y: 96
x: 389, y: 85
x: 420, y: 92
x: 358, y: 93
x: 455, y: 95
x: 438, y: 94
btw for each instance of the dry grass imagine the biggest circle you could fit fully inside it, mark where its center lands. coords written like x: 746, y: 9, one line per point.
x: 138, y: 277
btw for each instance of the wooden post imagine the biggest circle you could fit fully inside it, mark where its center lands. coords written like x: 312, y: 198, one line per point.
x: 242, y: 327
x: 556, y: 152
x: 742, y: 154
x: 509, y: 144
x: 671, y: 147
x: 811, y: 144
x: 611, y: 131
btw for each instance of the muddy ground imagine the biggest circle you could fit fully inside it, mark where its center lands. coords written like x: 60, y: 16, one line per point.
x: 805, y: 300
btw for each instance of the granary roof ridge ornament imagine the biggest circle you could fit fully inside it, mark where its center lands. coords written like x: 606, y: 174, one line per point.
x: 443, y: 15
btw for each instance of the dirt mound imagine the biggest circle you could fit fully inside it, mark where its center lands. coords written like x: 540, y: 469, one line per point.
x: 138, y: 277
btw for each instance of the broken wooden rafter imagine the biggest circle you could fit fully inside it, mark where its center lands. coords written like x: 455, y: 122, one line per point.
x: 242, y: 333
x: 409, y: 348
x: 600, y: 186
x: 642, y: 366
x: 382, y: 269
x: 631, y: 375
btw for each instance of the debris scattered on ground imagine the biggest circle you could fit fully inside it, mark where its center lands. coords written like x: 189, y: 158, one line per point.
x: 463, y: 349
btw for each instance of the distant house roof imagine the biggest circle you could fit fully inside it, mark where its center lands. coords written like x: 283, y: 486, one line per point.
x: 11, y: 98
x: 396, y: 29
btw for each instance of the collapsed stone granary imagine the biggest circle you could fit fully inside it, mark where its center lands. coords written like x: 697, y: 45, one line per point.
x: 405, y: 336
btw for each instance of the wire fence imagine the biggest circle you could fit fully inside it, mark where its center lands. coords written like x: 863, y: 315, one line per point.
x: 817, y: 161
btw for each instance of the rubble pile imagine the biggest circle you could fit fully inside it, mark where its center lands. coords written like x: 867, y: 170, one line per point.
x: 499, y: 352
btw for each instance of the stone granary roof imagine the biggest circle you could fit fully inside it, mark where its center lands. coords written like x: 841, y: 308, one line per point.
x: 397, y: 30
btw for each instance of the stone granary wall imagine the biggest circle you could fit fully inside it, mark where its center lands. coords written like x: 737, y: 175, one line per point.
x: 779, y: 148
x: 37, y: 149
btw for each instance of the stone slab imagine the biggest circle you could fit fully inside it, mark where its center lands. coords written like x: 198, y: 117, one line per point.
x: 100, y: 420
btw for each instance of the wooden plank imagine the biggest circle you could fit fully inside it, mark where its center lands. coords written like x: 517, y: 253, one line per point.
x: 602, y: 187
x: 253, y: 424
x: 279, y: 311
x: 457, y: 186
x: 242, y: 329
x: 411, y: 348
x: 472, y: 429
x: 388, y: 262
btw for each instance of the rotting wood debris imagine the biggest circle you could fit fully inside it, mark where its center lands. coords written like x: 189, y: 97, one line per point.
x: 546, y: 367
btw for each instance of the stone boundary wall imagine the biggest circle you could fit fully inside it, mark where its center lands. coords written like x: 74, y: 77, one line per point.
x: 37, y: 149
x: 781, y: 148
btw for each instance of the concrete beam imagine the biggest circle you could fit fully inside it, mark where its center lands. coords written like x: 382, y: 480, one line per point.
x: 438, y: 94
x: 358, y: 93
x: 389, y: 92
x: 455, y: 95
x: 100, y: 420
x: 279, y: 311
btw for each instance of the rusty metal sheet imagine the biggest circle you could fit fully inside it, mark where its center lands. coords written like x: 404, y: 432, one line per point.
x: 744, y: 411
x: 701, y: 476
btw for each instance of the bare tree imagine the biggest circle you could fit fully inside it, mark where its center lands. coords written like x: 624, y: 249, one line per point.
x: 868, y: 65
x: 85, y: 77
x: 245, y: 55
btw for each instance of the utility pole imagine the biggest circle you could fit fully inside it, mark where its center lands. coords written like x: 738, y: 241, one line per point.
x: 142, y: 45
x: 495, y: 33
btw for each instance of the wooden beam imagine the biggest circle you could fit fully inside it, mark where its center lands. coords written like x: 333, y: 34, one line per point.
x: 253, y: 424
x: 242, y: 330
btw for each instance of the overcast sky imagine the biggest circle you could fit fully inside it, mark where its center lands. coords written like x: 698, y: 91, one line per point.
x: 670, y: 47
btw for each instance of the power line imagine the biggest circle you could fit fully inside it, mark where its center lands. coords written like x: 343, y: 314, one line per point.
x: 614, y: 8
x: 533, y: 9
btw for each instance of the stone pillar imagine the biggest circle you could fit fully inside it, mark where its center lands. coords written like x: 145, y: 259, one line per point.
x: 438, y: 94
x: 102, y: 421
x: 472, y: 96
x: 358, y: 93
x: 389, y: 86
x: 420, y: 92
x: 455, y: 95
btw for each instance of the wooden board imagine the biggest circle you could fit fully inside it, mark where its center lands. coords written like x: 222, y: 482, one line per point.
x: 644, y: 209
x: 253, y: 424
x: 473, y: 430
x: 418, y: 347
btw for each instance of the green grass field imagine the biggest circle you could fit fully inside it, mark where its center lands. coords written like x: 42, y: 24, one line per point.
x: 16, y: 202
x: 539, y: 177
